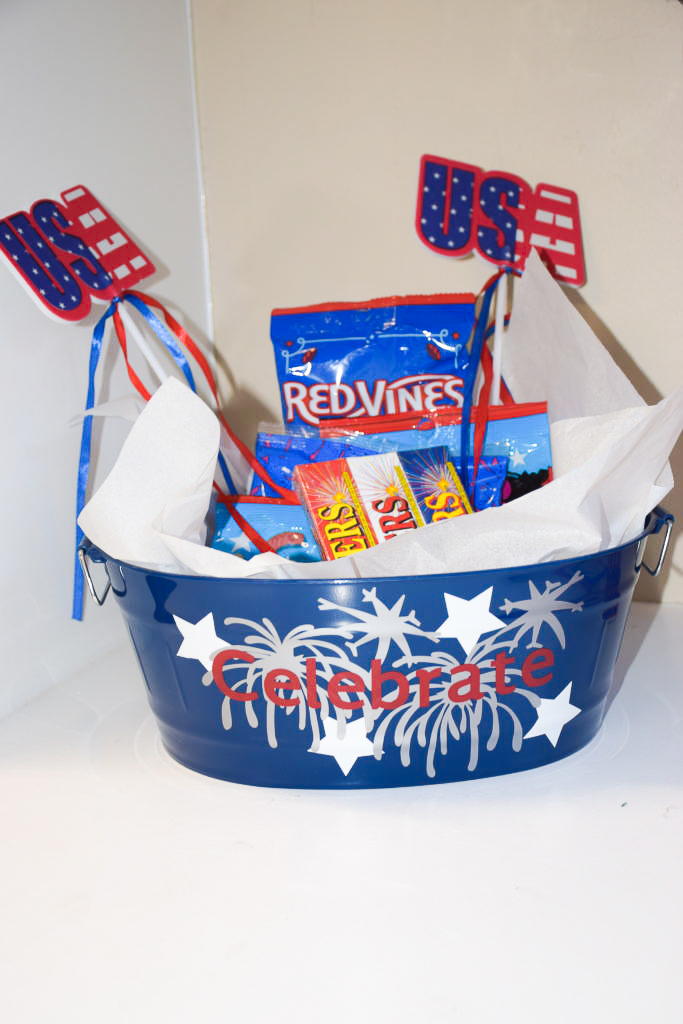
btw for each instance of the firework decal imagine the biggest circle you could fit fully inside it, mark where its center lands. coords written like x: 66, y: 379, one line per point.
x: 373, y: 683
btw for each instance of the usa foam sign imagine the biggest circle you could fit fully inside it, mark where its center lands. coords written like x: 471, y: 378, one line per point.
x: 461, y: 207
x: 71, y: 252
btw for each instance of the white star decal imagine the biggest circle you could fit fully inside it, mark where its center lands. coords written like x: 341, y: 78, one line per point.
x: 517, y: 458
x: 347, y: 750
x: 553, y: 714
x: 199, y: 640
x: 241, y: 543
x: 468, y: 620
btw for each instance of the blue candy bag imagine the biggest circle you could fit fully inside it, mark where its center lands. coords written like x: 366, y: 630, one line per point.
x: 381, y: 357
x: 279, y: 452
x: 244, y: 527
x: 489, y: 482
x: 517, y: 435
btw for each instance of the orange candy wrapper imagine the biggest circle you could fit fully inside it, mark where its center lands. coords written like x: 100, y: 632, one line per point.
x: 356, y: 503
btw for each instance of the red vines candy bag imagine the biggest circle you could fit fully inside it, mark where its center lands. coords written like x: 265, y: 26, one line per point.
x: 377, y: 358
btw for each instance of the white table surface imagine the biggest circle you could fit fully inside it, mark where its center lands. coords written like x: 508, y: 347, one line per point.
x: 133, y: 890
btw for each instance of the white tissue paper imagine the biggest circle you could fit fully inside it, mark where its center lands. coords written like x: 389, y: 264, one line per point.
x: 610, y: 467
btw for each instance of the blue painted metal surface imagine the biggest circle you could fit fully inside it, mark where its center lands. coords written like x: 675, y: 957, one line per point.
x: 482, y: 673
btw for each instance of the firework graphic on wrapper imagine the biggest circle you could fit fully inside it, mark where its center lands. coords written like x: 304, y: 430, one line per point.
x: 337, y: 516
x: 426, y: 471
x: 323, y: 483
x: 434, y: 482
x: 375, y: 476
x: 380, y: 485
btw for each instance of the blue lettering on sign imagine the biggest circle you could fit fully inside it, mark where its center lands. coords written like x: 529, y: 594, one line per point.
x: 498, y: 196
x: 41, y: 267
x: 444, y: 218
x: 51, y: 221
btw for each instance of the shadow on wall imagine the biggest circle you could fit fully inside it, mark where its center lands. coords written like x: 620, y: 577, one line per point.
x: 244, y: 410
x: 648, y: 588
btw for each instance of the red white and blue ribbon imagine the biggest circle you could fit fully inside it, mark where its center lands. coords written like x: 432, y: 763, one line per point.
x: 175, y: 340
x: 480, y: 355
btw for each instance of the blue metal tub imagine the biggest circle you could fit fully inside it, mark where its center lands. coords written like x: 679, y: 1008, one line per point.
x: 380, y: 682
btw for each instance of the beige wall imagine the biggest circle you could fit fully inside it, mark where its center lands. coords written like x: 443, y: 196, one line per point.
x: 313, y: 117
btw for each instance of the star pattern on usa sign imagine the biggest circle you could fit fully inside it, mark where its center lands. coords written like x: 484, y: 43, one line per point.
x: 71, y: 252
x: 461, y: 207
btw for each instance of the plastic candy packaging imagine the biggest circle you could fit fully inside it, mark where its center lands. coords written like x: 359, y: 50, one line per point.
x: 489, y: 482
x: 276, y: 525
x: 381, y: 357
x: 356, y: 503
x: 519, y: 435
x: 280, y: 451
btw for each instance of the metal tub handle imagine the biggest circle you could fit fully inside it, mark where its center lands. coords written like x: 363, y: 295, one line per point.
x: 83, y: 553
x: 661, y: 519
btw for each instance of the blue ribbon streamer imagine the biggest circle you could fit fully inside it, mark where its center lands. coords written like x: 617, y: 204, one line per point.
x: 84, y: 456
x: 176, y: 353
x: 475, y: 358
x: 479, y: 338
x: 226, y: 473
x: 164, y: 335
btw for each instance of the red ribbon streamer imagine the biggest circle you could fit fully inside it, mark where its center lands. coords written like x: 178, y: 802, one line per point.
x: 186, y: 340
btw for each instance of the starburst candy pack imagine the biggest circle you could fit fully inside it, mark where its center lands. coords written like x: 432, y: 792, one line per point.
x: 358, y: 502
x: 373, y: 358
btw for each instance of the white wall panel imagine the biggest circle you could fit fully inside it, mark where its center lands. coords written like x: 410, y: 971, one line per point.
x: 99, y: 94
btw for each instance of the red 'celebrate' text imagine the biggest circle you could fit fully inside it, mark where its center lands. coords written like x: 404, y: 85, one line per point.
x: 388, y: 689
